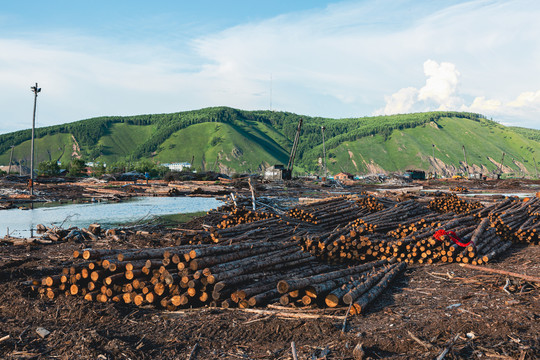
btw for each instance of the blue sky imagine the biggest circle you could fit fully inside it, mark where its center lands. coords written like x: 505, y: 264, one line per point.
x: 319, y: 58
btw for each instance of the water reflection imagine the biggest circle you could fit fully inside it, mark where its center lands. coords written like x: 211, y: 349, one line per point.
x: 22, y: 223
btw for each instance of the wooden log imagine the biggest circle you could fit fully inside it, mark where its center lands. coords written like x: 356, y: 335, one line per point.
x: 361, y: 303
x: 285, y: 286
x: 370, y: 280
x: 207, y: 261
x: 257, y: 266
x: 503, y: 272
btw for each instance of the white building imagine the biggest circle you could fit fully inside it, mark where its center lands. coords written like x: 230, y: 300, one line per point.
x: 179, y: 166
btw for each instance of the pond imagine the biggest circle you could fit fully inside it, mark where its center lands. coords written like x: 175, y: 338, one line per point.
x: 21, y: 223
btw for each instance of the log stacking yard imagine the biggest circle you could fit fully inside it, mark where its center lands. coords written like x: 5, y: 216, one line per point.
x: 338, y: 252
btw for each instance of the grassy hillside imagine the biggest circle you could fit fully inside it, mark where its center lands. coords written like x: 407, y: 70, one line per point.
x: 219, y: 146
x: 232, y: 140
x: 121, y: 140
x: 57, y: 147
x: 484, y: 143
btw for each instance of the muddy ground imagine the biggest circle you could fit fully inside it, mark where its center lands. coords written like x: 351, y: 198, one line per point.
x: 473, y: 314
x: 416, y: 318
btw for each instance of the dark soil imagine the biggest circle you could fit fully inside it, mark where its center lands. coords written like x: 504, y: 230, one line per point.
x: 435, y: 304
x: 426, y: 310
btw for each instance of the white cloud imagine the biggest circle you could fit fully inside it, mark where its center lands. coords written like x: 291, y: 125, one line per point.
x: 341, y: 61
x: 521, y: 109
x: 441, y: 85
x: 482, y: 105
x: 401, y: 102
x: 527, y: 99
x: 438, y: 93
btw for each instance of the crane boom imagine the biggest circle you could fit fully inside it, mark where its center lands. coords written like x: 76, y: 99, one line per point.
x: 501, y: 164
x: 294, y: 147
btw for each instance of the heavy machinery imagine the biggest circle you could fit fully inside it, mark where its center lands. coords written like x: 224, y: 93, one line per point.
x: 415, y: 175
x: 288, y: 171
x: 279, y: 172
x: 499, y: 171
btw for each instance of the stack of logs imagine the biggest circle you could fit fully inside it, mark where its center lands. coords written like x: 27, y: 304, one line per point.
x: 516, y: 220
x: 444, y: 203
x: 299, y: 263
x: 241, y: 215
x: 406, y: 232
x: 242, y: 275
x: 459, y: 189
x: 334, y: 211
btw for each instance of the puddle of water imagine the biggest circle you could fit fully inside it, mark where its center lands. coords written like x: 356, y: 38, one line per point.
x: 21, y: 222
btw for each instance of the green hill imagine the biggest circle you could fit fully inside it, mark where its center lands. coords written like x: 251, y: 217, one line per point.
x: 231, y: 140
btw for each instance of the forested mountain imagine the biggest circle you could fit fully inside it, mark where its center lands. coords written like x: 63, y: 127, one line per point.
x: 231, y: 140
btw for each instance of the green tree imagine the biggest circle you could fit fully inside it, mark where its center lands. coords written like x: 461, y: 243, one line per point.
x: 48, y: 168
x: 98, y: 169
x: 147, y: 166
x: 117, y: 167
x: 76, y: 167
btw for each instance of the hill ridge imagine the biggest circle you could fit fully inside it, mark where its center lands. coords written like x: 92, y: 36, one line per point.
x: 234, y: 140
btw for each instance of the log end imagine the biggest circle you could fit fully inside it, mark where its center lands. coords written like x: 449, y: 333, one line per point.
x: 283, y: 287
x: 331, y: 300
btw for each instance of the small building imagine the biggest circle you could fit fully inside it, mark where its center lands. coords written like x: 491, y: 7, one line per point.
x: 277, y: 172
x: 343, y: 176
x: 415, y: 175
x: 178, y: 166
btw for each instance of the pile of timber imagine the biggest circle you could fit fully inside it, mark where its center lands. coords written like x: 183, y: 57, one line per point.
x: 408, y: 232
x: 296, y: 263
x: 444, y: 203
x: 363, y: 239
x: 328, y: 212
x: 459, y: 189
x: 476, y: 244
x: 372, y: 203
x: 243, y: 275
x: 386, y: 220
x: 343, y: 246
x: 302, y: 215
x: 73, y: 234
x: 334, y: 211
x: 516, y: 220
x: 270, y: 229
x: 241, y: 215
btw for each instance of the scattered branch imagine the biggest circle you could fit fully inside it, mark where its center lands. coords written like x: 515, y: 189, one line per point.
x: 427, y: 345
x: 502, y: 272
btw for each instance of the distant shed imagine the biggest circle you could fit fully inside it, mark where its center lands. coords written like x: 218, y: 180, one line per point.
x: 343, y: 176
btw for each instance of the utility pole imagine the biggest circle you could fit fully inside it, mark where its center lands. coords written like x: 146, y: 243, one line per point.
x: 324, y: 151
x: 35, y: 90
x: 10, y: 159
x: 535, y: 167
